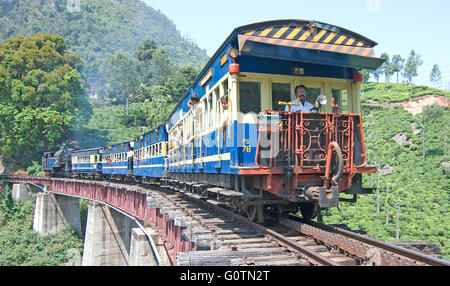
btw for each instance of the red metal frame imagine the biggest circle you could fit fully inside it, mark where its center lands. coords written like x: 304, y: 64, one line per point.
x: 306, y: 138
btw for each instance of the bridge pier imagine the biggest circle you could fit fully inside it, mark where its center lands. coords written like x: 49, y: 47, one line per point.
x: 140, y: 250
x: 54, y: 213
x: 141, y: 253
x: 21, y: 193
x: 107, y: 238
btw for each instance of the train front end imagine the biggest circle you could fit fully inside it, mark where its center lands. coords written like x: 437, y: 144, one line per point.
x: 311, y: 157
x: 299, y: 159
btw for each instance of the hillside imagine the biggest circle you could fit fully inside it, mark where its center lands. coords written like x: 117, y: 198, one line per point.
x: 422, y: 187
x: 397, y: 92
x: 100, y: 29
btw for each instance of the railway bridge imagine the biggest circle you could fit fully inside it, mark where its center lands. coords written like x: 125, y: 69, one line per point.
x: 118, y: 220
x: 173, y: 224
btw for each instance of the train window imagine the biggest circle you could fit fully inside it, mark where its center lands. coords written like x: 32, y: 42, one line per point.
x: 340, y: 98
x: 313, y: 93
x: 280, y: 92
x: 250, y: 96
x: 225, y: 87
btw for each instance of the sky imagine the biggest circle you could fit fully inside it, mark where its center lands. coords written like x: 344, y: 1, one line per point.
x: 398, y: 26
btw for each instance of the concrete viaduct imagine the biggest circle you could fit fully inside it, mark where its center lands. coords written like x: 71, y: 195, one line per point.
x: 115, y: 235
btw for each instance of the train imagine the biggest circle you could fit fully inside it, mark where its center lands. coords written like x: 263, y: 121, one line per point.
x: 272, y: 124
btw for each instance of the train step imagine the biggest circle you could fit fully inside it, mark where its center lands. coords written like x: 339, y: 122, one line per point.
x: 224, y: 192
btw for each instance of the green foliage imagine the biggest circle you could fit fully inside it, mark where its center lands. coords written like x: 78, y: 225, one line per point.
x: 7, y: 206
x: 412, y: 64
x: 99, y: 30
x: 35, y: 169
x: 397, y: 92
x: 179, y: 83
x: 41, y: 93
x: 121, y: 73
x: 146, y: 50
x: 397, y: 64
x: 108, y: 127
x: 387, y: 67
x: 436, y: 76
x: 20, y: 245
x: 423, y: 189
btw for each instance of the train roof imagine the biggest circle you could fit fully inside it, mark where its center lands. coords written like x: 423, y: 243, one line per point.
x: 297, y: 40
x: 305, y: 30
x: 86, y: 150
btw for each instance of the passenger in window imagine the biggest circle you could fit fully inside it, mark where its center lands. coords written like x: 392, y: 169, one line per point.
x: 196, y: 109
x: 179, y: 138
x: 224, y: 115
x: 304, y: 106
x: 194, y: 103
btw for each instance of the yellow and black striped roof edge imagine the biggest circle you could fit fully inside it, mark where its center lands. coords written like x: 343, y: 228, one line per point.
x: 307, y: 31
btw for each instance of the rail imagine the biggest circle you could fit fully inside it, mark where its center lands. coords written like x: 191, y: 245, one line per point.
x: 398, y: 255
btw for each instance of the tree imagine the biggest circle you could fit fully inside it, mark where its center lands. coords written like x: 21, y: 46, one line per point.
x: 144, y: 55
x: 99, y: 30
x: 411, y: 66
x: 41, y: 93
x: 146, y: 50
x: 181, y: 80
x: 121, y: 73
x: 397, y: 64
x: 161, y: 68
x: 376, y: 73
x: 435, y: 76
x: 387, y: 68
x: 366, y: 75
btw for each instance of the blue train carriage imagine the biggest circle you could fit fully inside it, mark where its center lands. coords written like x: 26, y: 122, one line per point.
x: 118, y: 160
x: 56, y: 163
x: 270, y: 156
x: 87, y: 163
x: 150, y: 152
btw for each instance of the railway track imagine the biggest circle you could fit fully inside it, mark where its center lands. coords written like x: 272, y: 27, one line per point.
x: 303, y: 243
x: 374, y: 251
x: 222, y: 237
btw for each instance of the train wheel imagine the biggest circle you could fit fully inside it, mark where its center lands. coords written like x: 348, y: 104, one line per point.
x: 238, y: 206
x: 309, y: 210
x: 252, y: 212
x: 255, y: 213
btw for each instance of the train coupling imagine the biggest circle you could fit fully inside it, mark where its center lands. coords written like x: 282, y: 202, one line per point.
x: 326, y: 198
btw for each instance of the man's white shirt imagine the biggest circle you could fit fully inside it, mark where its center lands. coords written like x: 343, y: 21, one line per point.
x: 301, y: 108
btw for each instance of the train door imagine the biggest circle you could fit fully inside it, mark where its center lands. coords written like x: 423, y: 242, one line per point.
x: 221, y: 136
x: 253, y: 96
